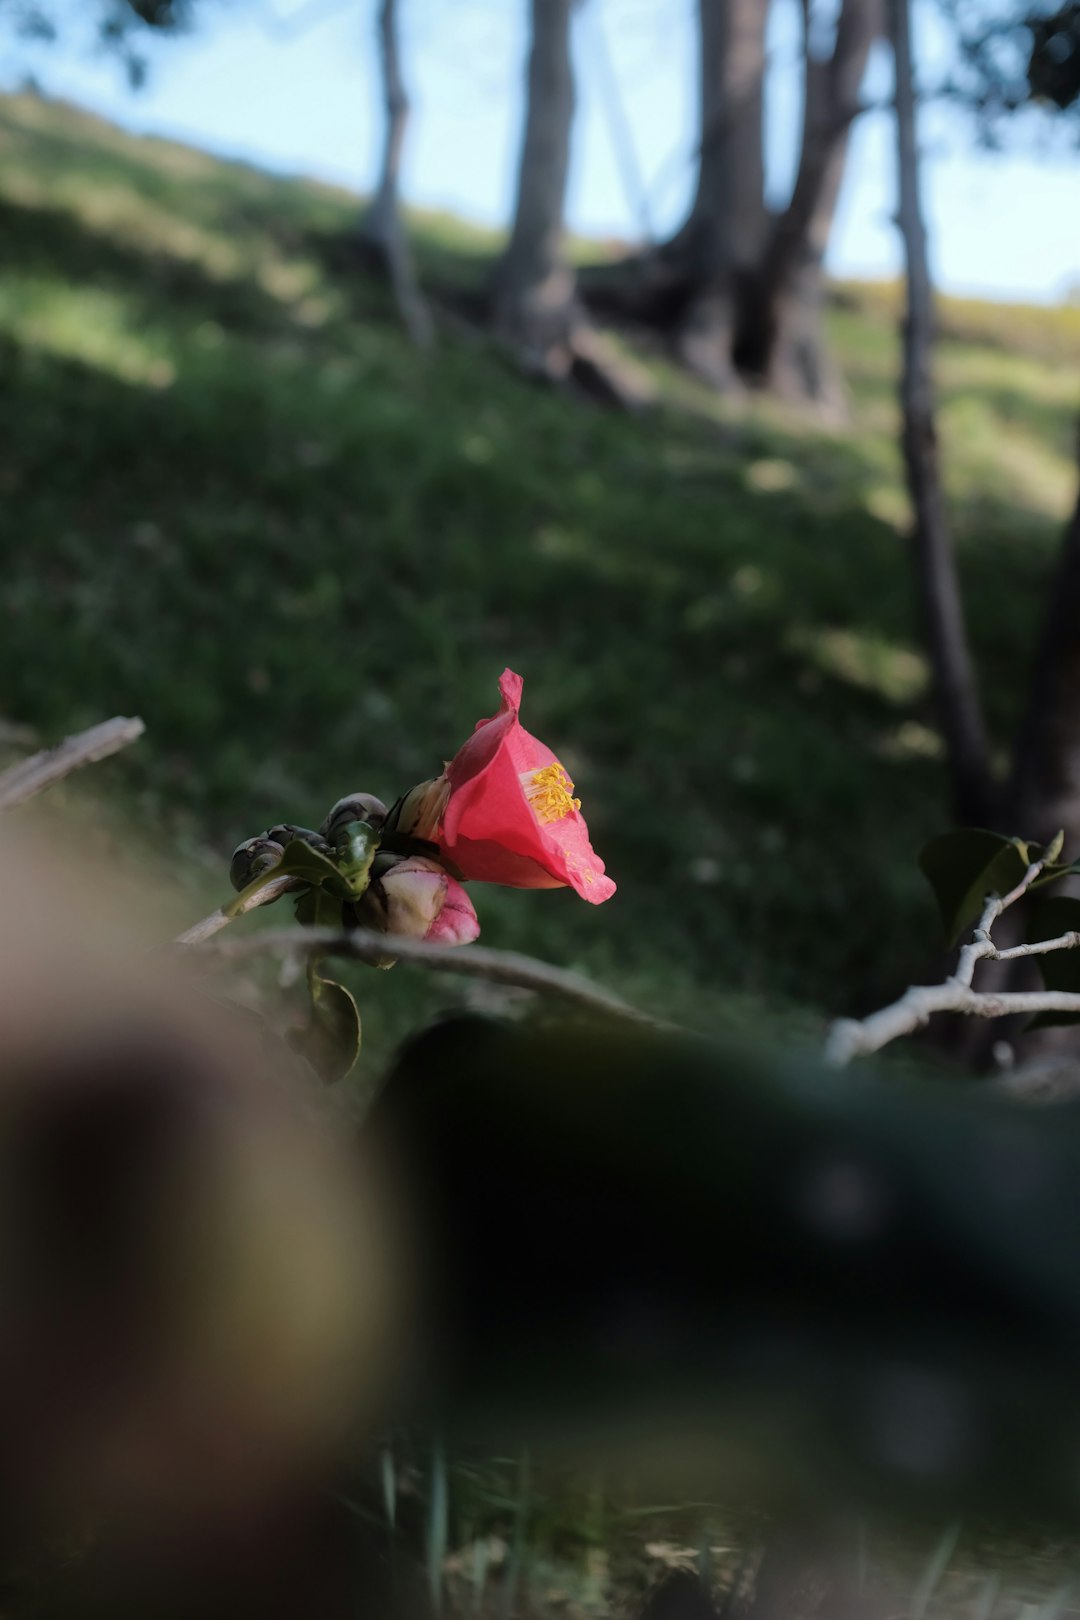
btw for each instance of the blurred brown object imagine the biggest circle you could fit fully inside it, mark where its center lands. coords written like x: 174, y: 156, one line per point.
x: 195, y: 1309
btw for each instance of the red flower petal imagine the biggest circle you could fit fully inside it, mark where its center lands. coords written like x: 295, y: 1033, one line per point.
x: 511, y: 816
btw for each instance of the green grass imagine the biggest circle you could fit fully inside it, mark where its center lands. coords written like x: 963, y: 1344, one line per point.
x: 236, y: 502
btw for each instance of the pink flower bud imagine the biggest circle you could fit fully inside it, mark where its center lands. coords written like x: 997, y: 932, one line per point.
x: 415, y: 897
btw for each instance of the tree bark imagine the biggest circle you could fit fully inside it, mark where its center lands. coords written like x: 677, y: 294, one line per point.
x: 780, y: 337
x: 381, y: 229
x: 936, y: 581
x: 741, y: 293
x: 725, y: 230
x: 1044, y: 791
x: 536, y: 304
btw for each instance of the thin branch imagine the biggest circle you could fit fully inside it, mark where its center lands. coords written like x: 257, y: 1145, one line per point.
x: 32, y: 776
x: 200, y: 932
x: 470, y: 961
x: 848, y: 1038
x: 1063, y: 942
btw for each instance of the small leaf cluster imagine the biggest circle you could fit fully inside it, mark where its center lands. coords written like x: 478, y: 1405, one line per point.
x: 967, y: 865
x: 333, y: 868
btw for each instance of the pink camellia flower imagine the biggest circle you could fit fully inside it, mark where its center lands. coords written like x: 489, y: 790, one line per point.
x: 509, y: 814
x: 417, y: 898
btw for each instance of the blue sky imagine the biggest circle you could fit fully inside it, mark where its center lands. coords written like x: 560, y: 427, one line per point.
x: 1002, y: 225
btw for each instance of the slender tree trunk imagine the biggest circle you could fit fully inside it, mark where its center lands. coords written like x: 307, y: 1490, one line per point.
x: 536, y: 306
x: 723, y: 235
x: 932, y: 554
x: 780, y: 337
x: 1045, y: 789
x: 382, y: 229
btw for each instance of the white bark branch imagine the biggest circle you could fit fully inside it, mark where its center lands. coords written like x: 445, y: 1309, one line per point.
x: 32, y: 776
x: 849, y: 1038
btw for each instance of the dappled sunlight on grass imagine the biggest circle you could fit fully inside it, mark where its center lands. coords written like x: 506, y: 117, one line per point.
x: 898, y: 674
x: 911, y: 740
x: 84, y: 324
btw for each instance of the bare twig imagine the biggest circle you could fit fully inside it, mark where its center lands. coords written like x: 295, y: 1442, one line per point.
x: 1063, y: 942
x: 470, y: 961
x: 32, y: 776
x: 849, y: 1038
x: 200, y: 932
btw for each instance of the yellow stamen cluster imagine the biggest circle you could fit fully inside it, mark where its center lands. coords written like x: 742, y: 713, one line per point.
x: 549, y: 791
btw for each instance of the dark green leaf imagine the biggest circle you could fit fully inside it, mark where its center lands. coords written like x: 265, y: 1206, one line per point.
x: 964, y: 866
x: 1060, y: 969
x: 1054, y: 873
x: 301, y: 860
x: 330, y: 1040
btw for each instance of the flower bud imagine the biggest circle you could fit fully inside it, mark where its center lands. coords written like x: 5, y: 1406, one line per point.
x: 415, y: 897
x: 253, y: 858
x: 354, y: 807
x: 287, y: 831
x: 417, y: 814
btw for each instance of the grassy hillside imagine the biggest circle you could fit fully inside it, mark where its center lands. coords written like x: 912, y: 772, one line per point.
x: 234, y: 501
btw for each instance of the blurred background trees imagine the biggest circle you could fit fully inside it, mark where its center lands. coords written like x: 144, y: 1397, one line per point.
x: 120, y: 27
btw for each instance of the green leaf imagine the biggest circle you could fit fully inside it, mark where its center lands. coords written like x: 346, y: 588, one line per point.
x: 301, y: 860
x: 1053, y: 873
x: 1060, y: 969
x: 330, y: 1040
x: 964, y: 866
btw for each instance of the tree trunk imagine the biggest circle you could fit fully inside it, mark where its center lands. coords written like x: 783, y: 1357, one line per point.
x: 382, y: 230
x: 780, y: 337
x: 936, y: 579
x: 1045, y: 789
x: 536, y: 305
x: 723, y: 235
